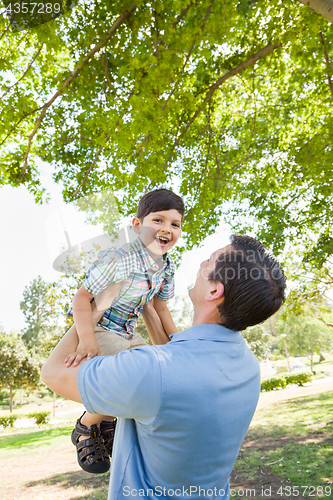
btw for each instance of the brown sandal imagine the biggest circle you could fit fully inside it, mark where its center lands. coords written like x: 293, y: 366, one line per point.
x: 91, y: 452
x: 108, y: 430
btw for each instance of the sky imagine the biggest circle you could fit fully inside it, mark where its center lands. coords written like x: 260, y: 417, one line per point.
x: 32, y: 236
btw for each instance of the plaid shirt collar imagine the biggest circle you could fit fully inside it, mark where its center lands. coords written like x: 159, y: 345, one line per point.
x: 146, y: 261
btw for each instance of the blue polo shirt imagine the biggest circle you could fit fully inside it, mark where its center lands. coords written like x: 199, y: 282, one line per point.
x: 183, y: 408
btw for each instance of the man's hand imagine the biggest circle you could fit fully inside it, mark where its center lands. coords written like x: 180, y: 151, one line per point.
x: 84, y: 350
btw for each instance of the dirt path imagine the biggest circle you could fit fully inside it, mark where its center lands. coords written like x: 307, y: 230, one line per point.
x: 55, y: 475
x: 315, y: 387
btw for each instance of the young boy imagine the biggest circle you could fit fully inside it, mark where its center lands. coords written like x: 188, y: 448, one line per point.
x: 137, y: 277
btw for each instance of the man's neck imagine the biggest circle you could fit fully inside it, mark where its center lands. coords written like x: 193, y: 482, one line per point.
x: 204, y: 318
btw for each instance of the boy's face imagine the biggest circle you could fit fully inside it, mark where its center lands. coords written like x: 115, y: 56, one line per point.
x: 159, y: 231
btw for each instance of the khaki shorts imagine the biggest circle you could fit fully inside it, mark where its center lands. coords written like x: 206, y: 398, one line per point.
x: 111, y: 343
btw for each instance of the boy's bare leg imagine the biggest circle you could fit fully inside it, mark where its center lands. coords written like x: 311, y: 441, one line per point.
x: 56, y: 362
x: 90, y: 419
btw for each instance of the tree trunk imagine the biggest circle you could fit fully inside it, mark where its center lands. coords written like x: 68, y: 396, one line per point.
x: 324, y: 7
x: 10, y: 400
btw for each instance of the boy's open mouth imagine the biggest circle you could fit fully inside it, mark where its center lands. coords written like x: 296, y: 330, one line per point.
x: 162, y: 241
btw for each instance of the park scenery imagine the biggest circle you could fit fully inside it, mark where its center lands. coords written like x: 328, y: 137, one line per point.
x: 229, y: 104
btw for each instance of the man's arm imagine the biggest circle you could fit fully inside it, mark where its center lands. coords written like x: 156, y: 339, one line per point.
x: 56, y: 375
x: 163, y: 312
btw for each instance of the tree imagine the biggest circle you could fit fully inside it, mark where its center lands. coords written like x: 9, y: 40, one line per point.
x: 141, y: 329
x: 227, y: 101
x: 18, y: 368
x: 310, y: 279
x: 305, y: 336
x: 39, y: 313
x: 257, y: 339
x: 182, y: 312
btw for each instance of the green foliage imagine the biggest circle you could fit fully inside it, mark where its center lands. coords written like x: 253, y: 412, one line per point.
x: 150, y: 108
x: 282, y: 381
x: 306, y: 335
x: 39, y: 313
x: 258, y: 340
x: 101, y: 208
x: 141, y: 329
x: 273, y: 383
x: 298, y: 378
x: 182, y: 313
x: 8, y: 420
x: 41, y: 417
x: 18, y: 368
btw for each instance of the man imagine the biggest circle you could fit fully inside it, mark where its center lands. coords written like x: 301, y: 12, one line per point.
x: 184, y: 408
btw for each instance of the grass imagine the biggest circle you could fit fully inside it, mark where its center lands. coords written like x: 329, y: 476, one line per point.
x: 293, y: 442
x: 289, y: 444
x: 33, y: 404
x: 321, y: 369
x: 38, y: 441
x: 328, y: 360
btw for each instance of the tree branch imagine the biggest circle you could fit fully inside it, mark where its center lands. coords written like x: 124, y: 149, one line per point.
x: 101, y: 149
x: 26, y: 71
x: 321, y: 319
x: 324, y: 7
x: 182, y: 14
x: 7, y: 29
x: 235, y: 71
x: 17, y: 123
x: 147, y: 137
x: 91, y: 166
x: 328, y: 64
x: 69, y: 80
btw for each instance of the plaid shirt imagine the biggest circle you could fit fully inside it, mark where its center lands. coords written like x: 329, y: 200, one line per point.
x: 142, y: 278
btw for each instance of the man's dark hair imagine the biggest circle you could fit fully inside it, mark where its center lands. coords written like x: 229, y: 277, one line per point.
x: 158, y: 201
x: 254, y: 283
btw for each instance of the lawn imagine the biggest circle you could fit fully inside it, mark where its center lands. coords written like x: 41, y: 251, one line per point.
x: 322, y: 368
x: 291, y: 443
x: 287, y: 454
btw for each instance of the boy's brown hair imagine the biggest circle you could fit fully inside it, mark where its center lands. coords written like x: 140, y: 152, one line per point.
x: 159, y: 200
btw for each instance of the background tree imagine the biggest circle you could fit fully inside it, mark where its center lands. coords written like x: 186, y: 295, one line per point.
x: 258, y: 340
x: 39, y: 312
x: 141, y: 329
x: 310, y: 280
x: 305, y: 336
x: 227, y: 101
x: 182, y: 312
x: 18, y: 368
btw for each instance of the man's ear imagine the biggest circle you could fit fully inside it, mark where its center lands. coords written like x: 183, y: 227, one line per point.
x: 136, y: 225
x: 216, y: 292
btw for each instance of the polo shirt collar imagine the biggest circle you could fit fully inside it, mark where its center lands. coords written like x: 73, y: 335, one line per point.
x: 207, y: 332
x: 146, y: 261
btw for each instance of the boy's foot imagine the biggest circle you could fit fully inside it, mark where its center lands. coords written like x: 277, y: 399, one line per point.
x: 107, y: 431
x: 91, y: 452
